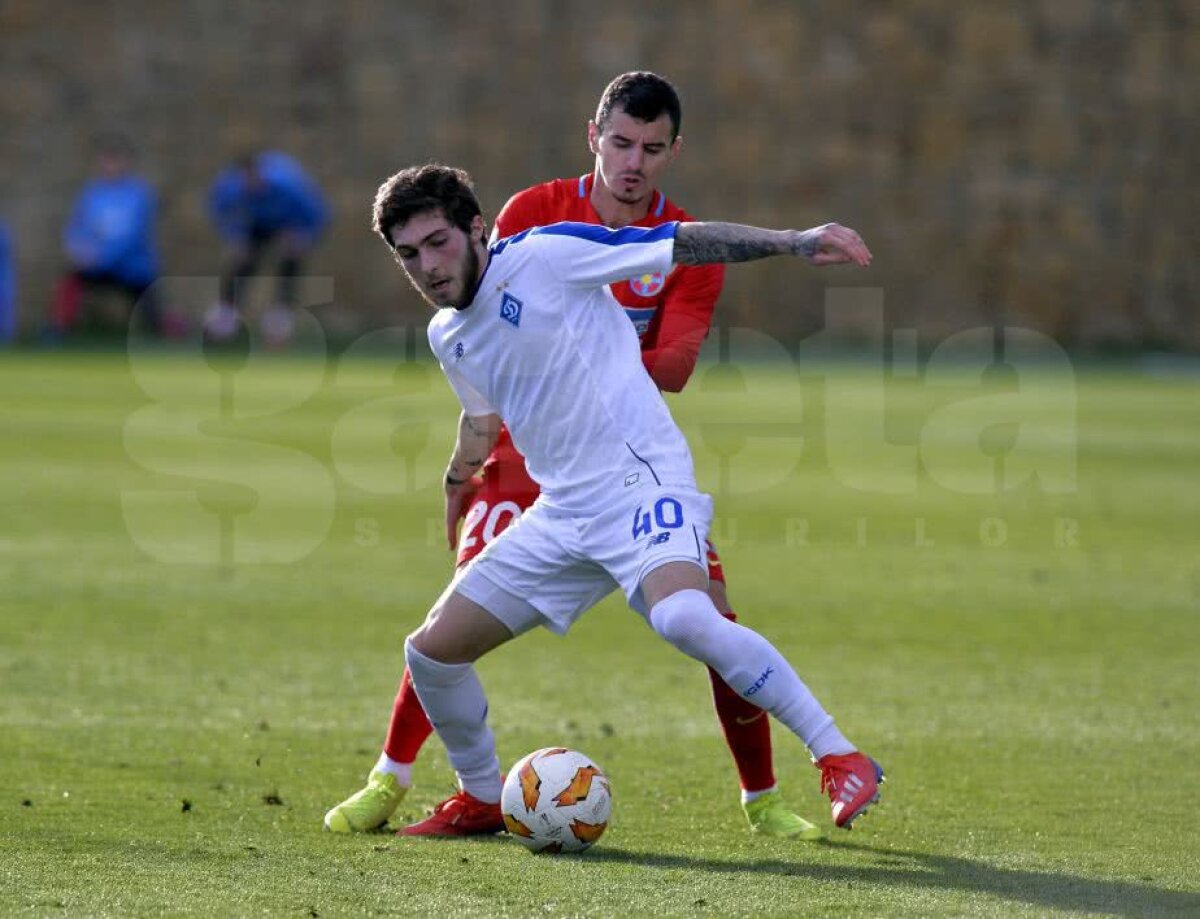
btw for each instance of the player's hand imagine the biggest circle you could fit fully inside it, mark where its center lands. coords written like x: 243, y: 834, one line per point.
x: 458, y: 499
x: 833, y: 244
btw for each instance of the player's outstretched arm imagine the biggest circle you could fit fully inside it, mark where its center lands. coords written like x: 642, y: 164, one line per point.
x: 708, y: 242
x: 477, y: 435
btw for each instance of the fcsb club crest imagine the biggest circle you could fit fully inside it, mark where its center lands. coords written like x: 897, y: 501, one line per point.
x: 647, y: 285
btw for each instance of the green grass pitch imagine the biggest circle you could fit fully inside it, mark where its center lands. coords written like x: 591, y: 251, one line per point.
x: 206, y: 573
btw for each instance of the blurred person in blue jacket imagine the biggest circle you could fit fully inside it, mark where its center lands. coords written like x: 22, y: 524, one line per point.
x: 109, y: 239
x: 262, y: 200
x: 8, y: 287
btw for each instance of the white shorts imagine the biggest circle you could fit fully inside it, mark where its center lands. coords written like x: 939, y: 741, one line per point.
x: 549, y: 567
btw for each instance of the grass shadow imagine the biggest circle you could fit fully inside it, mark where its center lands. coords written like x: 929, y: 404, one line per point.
x: 898, y: 868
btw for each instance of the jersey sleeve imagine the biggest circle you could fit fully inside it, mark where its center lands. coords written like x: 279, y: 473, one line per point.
x: 586, y: 255
x: 472, y: 402
x: 78, y: 234
x: 224, y: 208
x: 686, y: 317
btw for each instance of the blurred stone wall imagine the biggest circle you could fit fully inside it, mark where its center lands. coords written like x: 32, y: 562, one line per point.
x: 1027, y: 162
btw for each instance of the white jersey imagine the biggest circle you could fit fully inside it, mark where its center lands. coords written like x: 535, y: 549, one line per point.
x: 544, y: 346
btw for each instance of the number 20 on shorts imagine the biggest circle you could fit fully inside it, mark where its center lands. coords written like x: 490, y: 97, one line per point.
x: 491, y: 526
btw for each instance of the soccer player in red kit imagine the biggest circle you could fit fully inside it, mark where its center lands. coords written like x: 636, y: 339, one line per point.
x: 634, y: 136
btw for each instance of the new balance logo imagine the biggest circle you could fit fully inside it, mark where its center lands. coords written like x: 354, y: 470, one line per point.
x: 760, y: 682
x: 657, y: 540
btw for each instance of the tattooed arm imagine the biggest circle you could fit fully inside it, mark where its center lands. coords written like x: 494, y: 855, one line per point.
x: 476, y: 436
x: 704, y: 243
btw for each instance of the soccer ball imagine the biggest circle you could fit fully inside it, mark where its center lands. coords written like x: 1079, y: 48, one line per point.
x: 556, y: 800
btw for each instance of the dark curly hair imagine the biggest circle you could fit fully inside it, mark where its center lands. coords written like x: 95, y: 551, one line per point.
x: 417, y: 189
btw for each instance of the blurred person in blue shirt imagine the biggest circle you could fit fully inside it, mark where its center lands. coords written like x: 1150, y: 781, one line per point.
x: 8, y: 287
x: 109, y: 239
x: 262, y: 200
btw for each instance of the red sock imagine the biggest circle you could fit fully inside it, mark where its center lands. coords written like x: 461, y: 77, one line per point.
x: 747, y: 731
x: 64, y: 307
x: 409, y: 727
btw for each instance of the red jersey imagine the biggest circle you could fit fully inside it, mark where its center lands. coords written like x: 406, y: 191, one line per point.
x: 671, y: 314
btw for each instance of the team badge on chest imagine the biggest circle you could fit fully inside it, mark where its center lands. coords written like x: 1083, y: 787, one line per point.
x: 510, y: 309
x: 647, y: 285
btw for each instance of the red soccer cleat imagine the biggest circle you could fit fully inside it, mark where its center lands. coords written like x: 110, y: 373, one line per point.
x: 460, y: 815
x: 852, y: 782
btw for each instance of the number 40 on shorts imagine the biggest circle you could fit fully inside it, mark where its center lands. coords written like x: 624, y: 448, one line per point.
x: 667, y: 515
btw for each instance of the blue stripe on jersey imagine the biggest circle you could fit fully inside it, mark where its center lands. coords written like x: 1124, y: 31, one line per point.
x: 662, y: 202
x: 583, y: 186
x: 607, y: 237
x: 501, y: 244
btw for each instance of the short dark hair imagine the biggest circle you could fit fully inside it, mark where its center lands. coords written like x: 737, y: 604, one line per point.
x: 642, y: 95
x: 417, y: 189
x: 247, y: 160
x: 114, y: 143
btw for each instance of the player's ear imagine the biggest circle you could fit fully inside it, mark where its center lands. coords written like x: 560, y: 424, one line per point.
x: 676, y: 146
x: 593, y: 133
x: 478, y: 230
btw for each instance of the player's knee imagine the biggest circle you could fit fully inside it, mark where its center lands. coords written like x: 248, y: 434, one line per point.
x: 433, y: 641
x: 440, y: 645
x: 458, y: 631
x: 720, y: 599
x: 684, y: 619
x: 414, y: 657
x: 428, y: 673
x: 419, y: 642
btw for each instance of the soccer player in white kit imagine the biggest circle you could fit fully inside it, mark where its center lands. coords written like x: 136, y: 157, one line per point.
x: 527, y: 335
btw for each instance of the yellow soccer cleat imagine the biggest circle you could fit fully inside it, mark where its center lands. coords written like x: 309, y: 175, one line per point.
x: 369, y: 808
x: 769, y: 815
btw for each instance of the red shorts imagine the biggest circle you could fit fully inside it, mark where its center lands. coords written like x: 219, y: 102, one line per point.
x: 488, y: 515
x: 495, y: 506
x: 715, y: 571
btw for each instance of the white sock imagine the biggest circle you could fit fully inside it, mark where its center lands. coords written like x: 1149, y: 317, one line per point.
x: 402, y: 771
x: 748, y: 663
x: 453, y: 700
x: 748, y: 796
x: 829, y: 740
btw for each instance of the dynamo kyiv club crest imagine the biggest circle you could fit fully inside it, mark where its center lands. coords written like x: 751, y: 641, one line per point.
x: 510, y: 309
